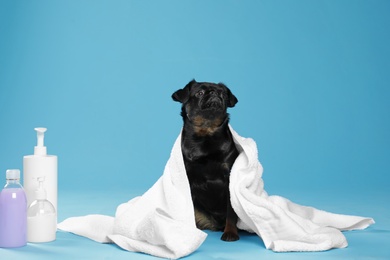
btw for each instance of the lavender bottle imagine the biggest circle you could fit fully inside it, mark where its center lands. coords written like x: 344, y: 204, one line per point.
x: 13, y: 212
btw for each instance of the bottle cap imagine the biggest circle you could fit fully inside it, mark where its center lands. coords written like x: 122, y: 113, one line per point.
x: 13, y: 174
x: 40, y: 149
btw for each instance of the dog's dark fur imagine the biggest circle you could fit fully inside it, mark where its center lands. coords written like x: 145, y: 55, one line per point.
x: 209, y: 153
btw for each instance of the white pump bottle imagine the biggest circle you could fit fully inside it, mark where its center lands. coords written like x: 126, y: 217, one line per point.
x: 37, y: 165
x: 41, y: 217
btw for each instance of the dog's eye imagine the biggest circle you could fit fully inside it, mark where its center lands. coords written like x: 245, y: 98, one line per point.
x: 200, y: 93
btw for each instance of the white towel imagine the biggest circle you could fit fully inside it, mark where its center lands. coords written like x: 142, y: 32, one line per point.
x: 161, y: 222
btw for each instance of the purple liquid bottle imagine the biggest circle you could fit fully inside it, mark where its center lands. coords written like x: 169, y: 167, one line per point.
x: 13, y: 212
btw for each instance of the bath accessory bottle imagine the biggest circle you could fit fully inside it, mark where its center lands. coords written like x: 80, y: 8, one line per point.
x: 41, y: 217
x: 13, y: 212
x: 37, y: 165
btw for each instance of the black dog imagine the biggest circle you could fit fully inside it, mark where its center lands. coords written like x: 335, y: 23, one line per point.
x: 209, y: 153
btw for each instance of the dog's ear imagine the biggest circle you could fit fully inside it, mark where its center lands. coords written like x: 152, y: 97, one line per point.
x: 182, y: 95
x: 232, y: 100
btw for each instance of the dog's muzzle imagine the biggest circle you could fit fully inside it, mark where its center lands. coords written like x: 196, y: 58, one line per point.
x: 213, y: 101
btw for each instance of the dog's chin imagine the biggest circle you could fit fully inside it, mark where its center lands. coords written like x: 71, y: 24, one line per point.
x: 212, y: 112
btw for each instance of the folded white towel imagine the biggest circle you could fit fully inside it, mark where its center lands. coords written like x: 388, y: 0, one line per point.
x: 161, y: 222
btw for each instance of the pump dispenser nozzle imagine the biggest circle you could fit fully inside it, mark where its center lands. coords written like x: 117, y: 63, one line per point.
x: 40, y: 149
x: 40, y: 192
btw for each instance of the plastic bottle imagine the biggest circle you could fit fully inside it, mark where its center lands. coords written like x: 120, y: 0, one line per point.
x: 41, y: 217
x: 13, y: 212
x: 37, y: 165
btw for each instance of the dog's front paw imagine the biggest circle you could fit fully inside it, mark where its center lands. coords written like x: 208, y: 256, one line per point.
x: 230, y: 236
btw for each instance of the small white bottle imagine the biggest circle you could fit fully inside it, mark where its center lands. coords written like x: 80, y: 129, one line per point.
x: 40, y: 164
x: 41, y: 217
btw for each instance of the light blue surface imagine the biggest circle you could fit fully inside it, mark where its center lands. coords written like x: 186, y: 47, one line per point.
x: 312, y: 79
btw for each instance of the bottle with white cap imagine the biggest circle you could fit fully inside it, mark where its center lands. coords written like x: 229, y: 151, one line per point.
x: 41, y: 217
x: 13, y: 212
x: 37, y: 165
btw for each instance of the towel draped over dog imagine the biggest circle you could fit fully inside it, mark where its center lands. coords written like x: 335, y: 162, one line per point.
x: 161, y: 222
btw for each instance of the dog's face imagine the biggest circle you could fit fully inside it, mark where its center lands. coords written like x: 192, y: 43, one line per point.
x: 204, y: 100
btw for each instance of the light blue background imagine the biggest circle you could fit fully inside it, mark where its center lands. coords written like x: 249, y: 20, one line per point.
x: 312, y: 79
